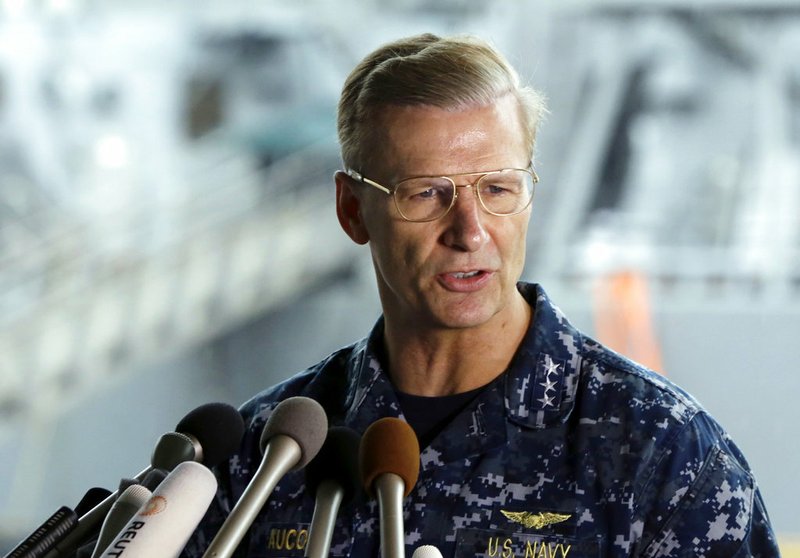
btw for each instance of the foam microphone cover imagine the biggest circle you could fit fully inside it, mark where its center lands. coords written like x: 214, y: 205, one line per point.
x: 389, y: 445
x: 218, y: 427
x: 153, y: 478
x: 336, y: 461
x: 302, y: 419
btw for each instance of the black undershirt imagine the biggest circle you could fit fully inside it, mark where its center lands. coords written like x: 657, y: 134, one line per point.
x: 429, y: 415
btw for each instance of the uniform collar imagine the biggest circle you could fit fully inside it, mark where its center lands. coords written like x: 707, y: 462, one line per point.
x: 543, y: 377
x: 370, y: 394
x: 537, y: 391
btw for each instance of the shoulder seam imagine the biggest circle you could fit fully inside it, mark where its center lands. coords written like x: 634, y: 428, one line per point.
x: 661, y: 383
x: 665, y: 450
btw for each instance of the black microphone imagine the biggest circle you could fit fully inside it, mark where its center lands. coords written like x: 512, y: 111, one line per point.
x: 332, y: 478
x: 57, y: 526
x: 150, y: 481
x: 389, y: 459
x: 292, y: 437
x: 46, y: 535
x: 93, y: 496
x: 208, y: 434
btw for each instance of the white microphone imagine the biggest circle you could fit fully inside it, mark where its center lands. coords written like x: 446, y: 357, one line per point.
x: 162, y: 527
x: 291, y: 438
x: 121, y: 512
x: 426, y: 551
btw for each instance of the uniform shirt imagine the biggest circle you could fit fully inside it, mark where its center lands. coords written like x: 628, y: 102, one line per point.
x: 574, y: 451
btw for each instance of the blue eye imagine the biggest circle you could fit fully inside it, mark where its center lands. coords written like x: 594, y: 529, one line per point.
x: 494, y: 189
x: 424, y: 190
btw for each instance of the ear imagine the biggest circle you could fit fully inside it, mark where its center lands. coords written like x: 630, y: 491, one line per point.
x: 348, y: 208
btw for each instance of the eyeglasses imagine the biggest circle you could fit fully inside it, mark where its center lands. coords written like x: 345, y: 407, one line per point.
x: 427, y: 198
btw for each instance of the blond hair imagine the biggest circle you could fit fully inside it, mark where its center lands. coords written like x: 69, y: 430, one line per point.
x: 451, y: 73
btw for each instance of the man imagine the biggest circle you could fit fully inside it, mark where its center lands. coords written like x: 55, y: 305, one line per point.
x: 536, y: 440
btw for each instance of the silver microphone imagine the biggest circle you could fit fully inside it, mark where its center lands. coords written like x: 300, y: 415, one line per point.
x: 291, y: 438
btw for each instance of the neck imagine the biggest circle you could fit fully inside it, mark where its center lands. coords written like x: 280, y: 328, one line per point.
x: 443, y: 361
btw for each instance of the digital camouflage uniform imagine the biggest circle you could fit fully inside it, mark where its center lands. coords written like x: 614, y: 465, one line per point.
x: 575, y: 451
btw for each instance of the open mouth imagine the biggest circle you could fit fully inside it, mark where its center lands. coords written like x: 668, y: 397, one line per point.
x: 466, y: 274
x: 465, y: 281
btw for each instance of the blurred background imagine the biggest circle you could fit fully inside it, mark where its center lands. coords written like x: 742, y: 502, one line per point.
x: 168, y: 237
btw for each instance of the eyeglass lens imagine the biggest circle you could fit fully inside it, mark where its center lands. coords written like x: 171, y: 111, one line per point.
x: 428, y: 198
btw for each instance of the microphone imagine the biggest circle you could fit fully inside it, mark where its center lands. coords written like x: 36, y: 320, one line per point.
x: 389, y: 459
x: 57, y: 526
x: 331, y: 477
x: 291, y: 438
x: 149, y: 481
x: 126, y: 506
x: 426, y: 551
x: 93, y: 496
x: 208, y: 434
x: 90, y: 547
x: 46, y: 535
x: 152, y: 479
x: 162, y: 526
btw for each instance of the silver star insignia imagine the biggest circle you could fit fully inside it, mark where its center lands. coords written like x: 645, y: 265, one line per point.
x: 548, y: 384
x: 551, y: 367
x: 546, y: 401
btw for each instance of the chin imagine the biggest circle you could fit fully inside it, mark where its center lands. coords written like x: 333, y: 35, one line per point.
x: 463, y: 317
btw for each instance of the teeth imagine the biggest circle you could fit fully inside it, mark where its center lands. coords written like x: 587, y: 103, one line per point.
x: 461, y: 275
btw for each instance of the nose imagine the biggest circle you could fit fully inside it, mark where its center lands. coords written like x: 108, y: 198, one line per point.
x: 465, y: 228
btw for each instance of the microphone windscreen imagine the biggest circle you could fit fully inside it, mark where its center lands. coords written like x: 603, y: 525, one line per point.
x: 427, y: 551
x: 134, y: 495
x: 125, y: 483
x: 92, y: 497
x: 336, y: 461
x: 153, y: 478
x: 218, y: 427
x: 389, y: 445
x: 302, y: 419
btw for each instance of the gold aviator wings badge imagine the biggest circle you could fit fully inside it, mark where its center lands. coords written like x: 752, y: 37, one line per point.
x: 535, y: 520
